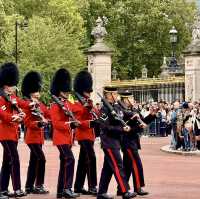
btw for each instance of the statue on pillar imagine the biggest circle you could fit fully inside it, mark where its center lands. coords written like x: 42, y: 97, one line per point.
x: 196, y: 27
x: 99, y: 31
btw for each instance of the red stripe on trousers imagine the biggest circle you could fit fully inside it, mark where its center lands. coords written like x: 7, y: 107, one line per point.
x: 121, y: 183
x: 135, y: 168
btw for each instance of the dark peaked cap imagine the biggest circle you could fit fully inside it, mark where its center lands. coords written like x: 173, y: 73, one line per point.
x: 31, y: 83
x: 9, y: 74
x: 83, y: 82
x: 125, y: 94
x: 110, y: 89
x: 61, y: 82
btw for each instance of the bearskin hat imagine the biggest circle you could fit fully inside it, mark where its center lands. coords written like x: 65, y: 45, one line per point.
x: 83, y: 82
x: 61, y: 82
x: 9, y: 74
x: 31, y: 83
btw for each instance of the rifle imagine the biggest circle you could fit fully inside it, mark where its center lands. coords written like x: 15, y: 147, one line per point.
x: 13, y: 103
x: 35, y: 110
x: 86, y: 104
x: 112, y: 111
x: 141, y: 123
x: 66, y: 111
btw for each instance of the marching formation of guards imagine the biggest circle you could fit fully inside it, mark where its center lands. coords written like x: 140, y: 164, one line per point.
x: 117, y: 124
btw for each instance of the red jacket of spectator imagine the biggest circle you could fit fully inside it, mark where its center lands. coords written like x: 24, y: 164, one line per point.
x: 9, y: 129
x: 34, y: 133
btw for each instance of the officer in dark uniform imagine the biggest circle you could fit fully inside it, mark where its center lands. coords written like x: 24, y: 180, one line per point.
x: 63, y: 132
x: 131, y: 142
x: 85, y: 135
x: 35, y: 120
x: 10, y: 115
x: 111, y: 132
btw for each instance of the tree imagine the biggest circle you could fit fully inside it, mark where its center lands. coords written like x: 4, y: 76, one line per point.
x: 53, y: 39
x: 139, y: 30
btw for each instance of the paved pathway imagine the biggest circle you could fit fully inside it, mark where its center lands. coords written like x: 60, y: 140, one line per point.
x: 168, y: 176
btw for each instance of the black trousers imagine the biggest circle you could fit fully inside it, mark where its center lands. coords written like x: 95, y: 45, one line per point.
x: 36, y: 168
x: 133, y: 165
x: 66, y: 173
x: 86, y: 165
x: 112, y: 165
x: 10, y: 166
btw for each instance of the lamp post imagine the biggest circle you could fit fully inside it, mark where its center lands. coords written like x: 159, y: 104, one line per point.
x: 173, y: 39
x: 22, y: 25
x: 173, y: 33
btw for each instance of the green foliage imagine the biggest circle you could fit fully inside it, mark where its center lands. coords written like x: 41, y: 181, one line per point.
x: 139, y: 31
x: 53, y: 38
x: 60, y: 30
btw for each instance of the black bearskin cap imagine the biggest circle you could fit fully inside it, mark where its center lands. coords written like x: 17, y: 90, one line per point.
x: 9, y: 74
x: 61, y: 82
x: 83, y: 82
x: 31, y: 83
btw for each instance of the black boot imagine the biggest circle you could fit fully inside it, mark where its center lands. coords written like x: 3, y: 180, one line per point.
x: 119, y: 193
x: 3, y: 196
x: 81, y: 191
x: 128, y: 195
x: 92, y: 191
x: 141, y: 192
x: 68, y: 193
x: 59, y: 195
x: 40, y: 190
x: 19, y: 194
x: 29, y: 190
x: 104, y: 196
x: 8, y: 194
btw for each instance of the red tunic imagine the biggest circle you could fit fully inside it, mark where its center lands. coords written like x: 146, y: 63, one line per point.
x: 62, y: 132
x: 35, y: 134
x: 9, y: 129
x: 84, y: 132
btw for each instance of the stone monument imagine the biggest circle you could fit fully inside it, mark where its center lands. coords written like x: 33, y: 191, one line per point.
x: 164, y: 69
x: 192, y: 64
x: 99, y: 59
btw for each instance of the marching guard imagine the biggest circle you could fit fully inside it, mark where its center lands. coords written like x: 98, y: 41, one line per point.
x: 131, y: 142
x: 111, y: 133
x: 62, y: 131
x: 85, y: 135
x: 10, y: 115
x: 35, y: 120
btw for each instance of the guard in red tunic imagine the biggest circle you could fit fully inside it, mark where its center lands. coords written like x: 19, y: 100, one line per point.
x: 35, y: 121
x: 62, y: 132
x: 10, y: 117
x: 85, y: 135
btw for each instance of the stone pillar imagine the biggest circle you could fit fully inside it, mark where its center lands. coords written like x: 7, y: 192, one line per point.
x: 99, y: 60
x: 192, y: 65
